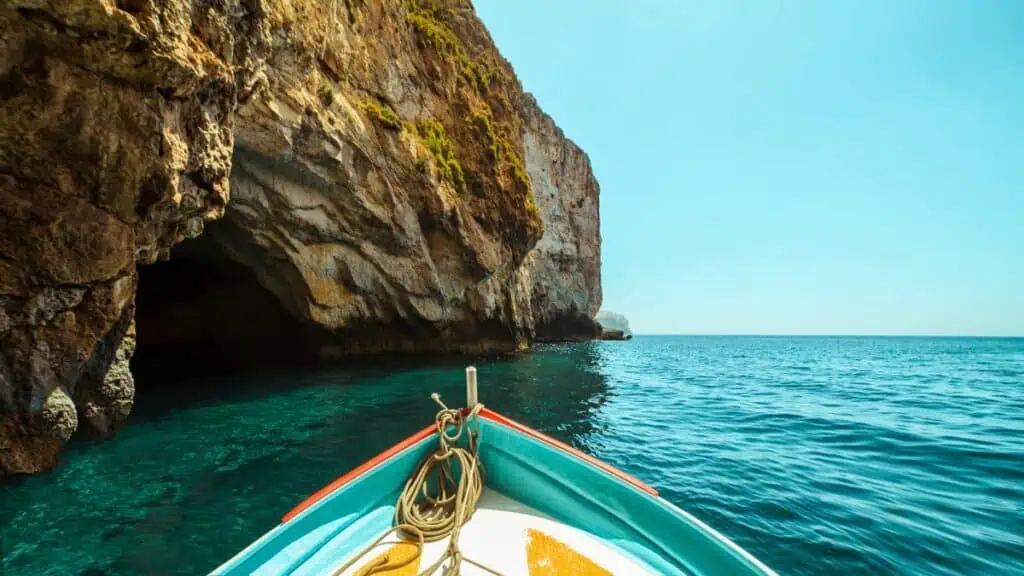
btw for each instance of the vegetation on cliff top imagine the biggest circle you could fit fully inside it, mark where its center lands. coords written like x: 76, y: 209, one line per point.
x: 433, y: 30
x: 483, y: 74
x: 485, y: 90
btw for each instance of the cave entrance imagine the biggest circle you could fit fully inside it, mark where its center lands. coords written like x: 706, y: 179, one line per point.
x: 201, y: 312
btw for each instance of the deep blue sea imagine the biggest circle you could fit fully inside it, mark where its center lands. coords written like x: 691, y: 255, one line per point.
x: 819, y: 455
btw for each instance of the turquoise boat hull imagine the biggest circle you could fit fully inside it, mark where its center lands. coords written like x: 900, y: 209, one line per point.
x: 524, y: 465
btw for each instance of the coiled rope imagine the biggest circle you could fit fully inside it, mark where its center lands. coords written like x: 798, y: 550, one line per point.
x: 428, y: 511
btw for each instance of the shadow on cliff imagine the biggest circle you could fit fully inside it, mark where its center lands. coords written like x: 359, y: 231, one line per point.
x: 200, y: 312
x: 208, y: 332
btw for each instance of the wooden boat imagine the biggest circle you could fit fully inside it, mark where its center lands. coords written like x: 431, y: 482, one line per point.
x: 540, y: 507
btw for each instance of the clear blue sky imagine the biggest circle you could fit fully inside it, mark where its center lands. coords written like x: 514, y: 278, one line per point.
x: 793, y: 167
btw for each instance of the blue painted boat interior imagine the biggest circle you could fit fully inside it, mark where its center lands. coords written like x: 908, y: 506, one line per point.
x: 523, y: 468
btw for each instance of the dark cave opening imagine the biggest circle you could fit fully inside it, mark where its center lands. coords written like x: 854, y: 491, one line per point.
x: 201, y: 312
x: 572, y: 327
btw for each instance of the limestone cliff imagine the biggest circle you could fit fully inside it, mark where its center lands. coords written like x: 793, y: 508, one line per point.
x: 613, y: 321
x: 613, y: 326
x: 116, y: 136
x: 374, y: 165
x: 565, y: 265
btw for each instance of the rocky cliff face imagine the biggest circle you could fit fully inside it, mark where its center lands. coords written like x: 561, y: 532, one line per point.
x: 374, y: 165
x: 565, y: 265
x: 613, y: 321
x: 116, y: 136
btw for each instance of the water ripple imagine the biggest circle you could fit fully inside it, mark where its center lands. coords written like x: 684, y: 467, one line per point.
x: 819, y: 455
x: 873, y: 456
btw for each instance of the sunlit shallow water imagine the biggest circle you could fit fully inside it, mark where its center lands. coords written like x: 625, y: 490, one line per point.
x: 818, y: 455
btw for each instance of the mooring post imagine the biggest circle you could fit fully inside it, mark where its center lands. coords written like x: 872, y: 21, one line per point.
x: 471, y: 395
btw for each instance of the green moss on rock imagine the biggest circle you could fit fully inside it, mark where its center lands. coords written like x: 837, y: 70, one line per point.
x: 351, y: 6
x: 435, y: 138
x: 383, y: 114
x: 429, y: 24
x: 326, y: 94
x: 434, y: 31
x: 480, y: 82
x: 503, y: 152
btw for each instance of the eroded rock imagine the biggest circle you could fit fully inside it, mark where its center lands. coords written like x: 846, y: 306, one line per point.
x: 375, y: 166
x: 116, y: 135
x: 613, y: 326
x: 565, y: 265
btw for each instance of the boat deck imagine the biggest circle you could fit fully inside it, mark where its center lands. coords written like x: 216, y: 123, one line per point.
x: 607, y: 522
x: 512, y: 539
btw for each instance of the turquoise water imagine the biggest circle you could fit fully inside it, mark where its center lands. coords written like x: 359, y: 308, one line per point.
x: 819, y: 455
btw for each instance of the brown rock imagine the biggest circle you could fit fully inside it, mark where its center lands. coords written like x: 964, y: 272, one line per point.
x: 379, y: 187
x: 116, y: 136
x: 390, y: 184
x: 565, y: 266
x: 613, y: 334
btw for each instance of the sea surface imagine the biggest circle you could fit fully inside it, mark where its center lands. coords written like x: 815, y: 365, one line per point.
x: 819, y: 455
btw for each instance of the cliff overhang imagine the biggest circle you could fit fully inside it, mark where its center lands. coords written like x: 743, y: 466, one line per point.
x: 365, y: 177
